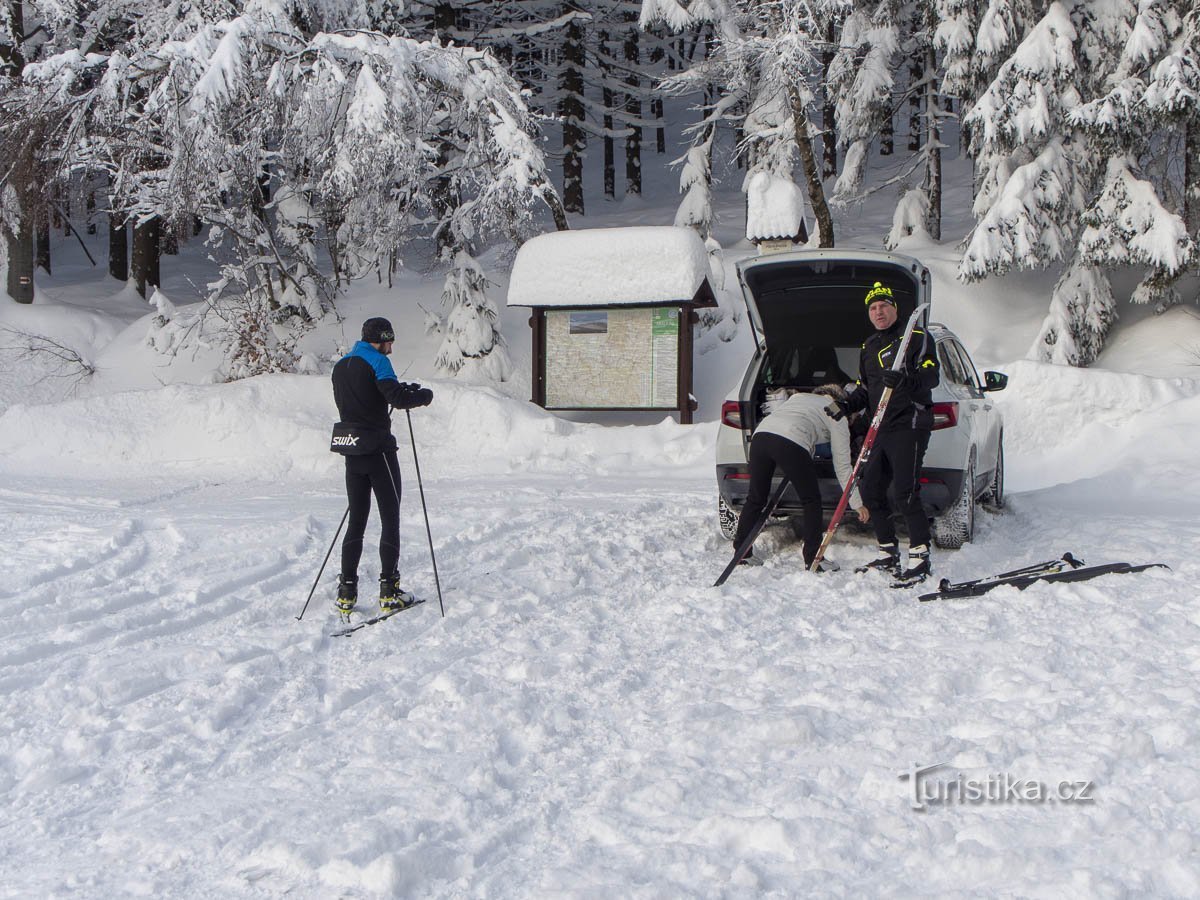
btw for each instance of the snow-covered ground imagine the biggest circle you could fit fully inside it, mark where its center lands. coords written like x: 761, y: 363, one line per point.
x: 590, y: 718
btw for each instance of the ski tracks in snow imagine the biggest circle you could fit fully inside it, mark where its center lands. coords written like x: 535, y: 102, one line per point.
x: 590, y: 717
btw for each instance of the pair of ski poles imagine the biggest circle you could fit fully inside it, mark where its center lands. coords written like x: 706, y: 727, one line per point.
x: 412, y: 439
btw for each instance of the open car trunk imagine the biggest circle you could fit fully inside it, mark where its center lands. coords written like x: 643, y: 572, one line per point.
x: 809, y: 318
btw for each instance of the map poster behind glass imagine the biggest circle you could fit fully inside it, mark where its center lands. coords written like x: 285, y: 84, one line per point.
x: 612, y: 358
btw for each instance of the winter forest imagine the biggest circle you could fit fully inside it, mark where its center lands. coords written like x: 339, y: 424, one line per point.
x: 309, y: 143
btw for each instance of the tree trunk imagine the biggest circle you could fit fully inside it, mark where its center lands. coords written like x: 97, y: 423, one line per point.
x: 145, y: 258
x: 41, y: 253
x: 445, y: 19
x: 816, y: 189
x: 12, y: 56
x: 118, y: 247
x: 828, y: 110
x: 656, y: 105
x: 633, y: 106
x: 1191, y: 177
x: 571, y: 109
x: 933, y: 150
x: 609, y: 98
x: 887, y: 139
x: 915, y: 130
x: 20, y: 261
x: 90, y: 205
x: 20, y: 244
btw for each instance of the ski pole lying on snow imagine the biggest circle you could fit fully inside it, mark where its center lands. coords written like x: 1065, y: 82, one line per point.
x: 428, y: 533
x: 869, y: 441
x: 322, y: 569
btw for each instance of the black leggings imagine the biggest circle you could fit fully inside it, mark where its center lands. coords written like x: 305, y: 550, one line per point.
x: 378, y: 473
x: 896, y: 460
x: 766, y: 452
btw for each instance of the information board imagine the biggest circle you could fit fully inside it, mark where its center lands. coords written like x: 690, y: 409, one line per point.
x: 624, y: 358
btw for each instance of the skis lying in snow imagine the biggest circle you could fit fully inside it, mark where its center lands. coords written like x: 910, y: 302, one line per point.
x: 1066, y: 568
x: 373, y: 620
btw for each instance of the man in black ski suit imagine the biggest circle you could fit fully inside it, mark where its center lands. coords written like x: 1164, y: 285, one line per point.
x: 364, y: 387
x: 903, y: 434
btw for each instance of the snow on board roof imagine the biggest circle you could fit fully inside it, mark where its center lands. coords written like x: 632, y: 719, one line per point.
x: 632, y: 266
x: 774, y: 207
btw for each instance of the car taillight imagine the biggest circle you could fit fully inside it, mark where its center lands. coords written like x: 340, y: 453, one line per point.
x: 731, y: 414
x: 737, y: 476
x: 945, y: 415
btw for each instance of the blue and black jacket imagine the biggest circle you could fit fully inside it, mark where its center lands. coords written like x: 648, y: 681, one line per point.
x: 911, y: 405
x: 365, y: 385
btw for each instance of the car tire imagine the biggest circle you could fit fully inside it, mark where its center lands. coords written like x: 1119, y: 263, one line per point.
x: 727, y: 519
x: 956, y: 526
x: 995, y: 492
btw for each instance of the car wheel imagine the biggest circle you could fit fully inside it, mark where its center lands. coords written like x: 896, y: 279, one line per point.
x: 956, y: 526
x: 727, y: 519
x: 995, y: 492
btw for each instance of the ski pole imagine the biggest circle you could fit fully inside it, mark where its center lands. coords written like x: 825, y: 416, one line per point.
x: 748, y: 542
x: 322, y: 570
x: 869, y: 441
x: 412, y: 438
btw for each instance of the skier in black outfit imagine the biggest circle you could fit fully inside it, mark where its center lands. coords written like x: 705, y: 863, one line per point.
x: 903, y: 434
x: 364, y: 387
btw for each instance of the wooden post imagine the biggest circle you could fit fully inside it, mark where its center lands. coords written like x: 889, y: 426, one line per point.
x: 684, y: 386
x: 538, y: 322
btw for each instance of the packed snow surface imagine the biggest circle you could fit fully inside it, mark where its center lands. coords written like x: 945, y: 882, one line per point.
x: 590, y: 718
x: 599, y: 266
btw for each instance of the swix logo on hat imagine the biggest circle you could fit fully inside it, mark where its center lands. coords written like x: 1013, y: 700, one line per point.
x: 378, y: 331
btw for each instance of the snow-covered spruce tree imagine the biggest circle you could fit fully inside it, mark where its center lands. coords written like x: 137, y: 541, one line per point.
x: 1073, y: 161
x: 472, y: 346
x: 1143, y: 124
x: 1036, y: 173
x: 340, y: 125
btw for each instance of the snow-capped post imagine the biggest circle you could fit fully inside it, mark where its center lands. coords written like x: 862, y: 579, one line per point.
x: 776, y: 217
x: 612, y: 316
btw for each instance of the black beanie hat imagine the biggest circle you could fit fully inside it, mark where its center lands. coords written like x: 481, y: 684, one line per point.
x: 378, y: 331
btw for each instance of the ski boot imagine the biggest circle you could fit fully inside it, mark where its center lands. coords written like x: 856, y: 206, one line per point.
x: 347, y: 596
x: 887, y: 562
x: 391, y: 595
x: 750, y: 559
x: 918, y: 566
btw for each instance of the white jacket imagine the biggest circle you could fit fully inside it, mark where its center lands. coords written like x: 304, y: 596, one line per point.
x: 802, y: 420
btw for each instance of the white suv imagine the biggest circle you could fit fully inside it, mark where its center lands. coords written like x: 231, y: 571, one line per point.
x: 809, y: 322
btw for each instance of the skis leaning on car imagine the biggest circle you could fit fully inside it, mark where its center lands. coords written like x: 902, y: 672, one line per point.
x: 869, y: 441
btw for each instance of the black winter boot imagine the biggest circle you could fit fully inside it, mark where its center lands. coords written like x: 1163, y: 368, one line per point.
x: 391, y: 595
x: 919, y: 567
x: 887, y: 562
x: 347, y: 595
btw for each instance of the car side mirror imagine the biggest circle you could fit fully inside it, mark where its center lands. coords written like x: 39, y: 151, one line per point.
x: 995, y: 381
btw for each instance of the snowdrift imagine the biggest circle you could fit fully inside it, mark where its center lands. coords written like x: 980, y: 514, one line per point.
x: 274, y: 426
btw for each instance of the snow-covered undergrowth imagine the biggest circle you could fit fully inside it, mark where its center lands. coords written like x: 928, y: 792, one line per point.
x: 590, y: 718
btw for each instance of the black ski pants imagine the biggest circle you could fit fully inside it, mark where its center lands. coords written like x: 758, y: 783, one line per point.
x: 378, y: 473
x: 896, y: 462
x: 768, y: 451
